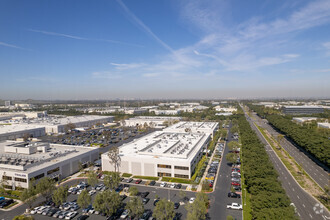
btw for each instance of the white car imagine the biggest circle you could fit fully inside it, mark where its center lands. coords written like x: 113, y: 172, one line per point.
x: 91, y: 211
x: 92, y: 192
x: 173, y: 185
x: 71, y: 215
x: 34, y: 211
x: 79, y: 191
x: 41, y: 209
x: 124, y: 215
x: 234, y: 206
x: 163, y: 184
x: 192, y: 200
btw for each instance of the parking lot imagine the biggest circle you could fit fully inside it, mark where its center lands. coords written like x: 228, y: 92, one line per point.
x: 154, y: 192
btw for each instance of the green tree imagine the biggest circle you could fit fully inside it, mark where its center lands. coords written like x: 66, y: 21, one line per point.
x: 112, y: 180
x: 46, y: 187
x: 182, y: 195
x: 28, y: 196
x: 135, y: 207
x: 233, y: 145
x: 133, y: 191
x: 231, y: 157
x: 234, y: 129
x: 60, y: 195
x: 84, y: 199
x: 229, y: 217
x: 164, y: 210
x: 107, y: 202
x: 198, y: 209
x: 92, y: 178
x: 114, y: 158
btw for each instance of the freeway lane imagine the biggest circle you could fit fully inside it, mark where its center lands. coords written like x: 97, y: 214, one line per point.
x: 318, y: 173
x: 303, y: 201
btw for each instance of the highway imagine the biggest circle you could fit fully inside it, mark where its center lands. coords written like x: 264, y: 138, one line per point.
x: 304, y: 202
x: 319, y: 173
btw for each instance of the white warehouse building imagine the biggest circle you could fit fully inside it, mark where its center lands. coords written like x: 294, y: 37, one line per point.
x: 20, y: 163
x: 162, y: 153
x: 194, y: 127
x: 152, y: 121
x: 14, y: 131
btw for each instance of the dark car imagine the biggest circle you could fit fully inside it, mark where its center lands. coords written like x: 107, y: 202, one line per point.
x: 237, y: 187
x: 146, y: 215
x: 82, y: 217
x: 52, y: 212
x: 176, y: 205
x: 233, y: 195
x: 144, y: 194
x: 123, y: 197
x: 7, y: 202
x: 152, y: 183
x: 156, y: 201
x: 145, y: 200
x: 177, y: 216
x: 178, y: 186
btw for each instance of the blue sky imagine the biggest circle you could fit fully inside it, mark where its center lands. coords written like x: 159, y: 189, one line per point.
x: 79, y: 49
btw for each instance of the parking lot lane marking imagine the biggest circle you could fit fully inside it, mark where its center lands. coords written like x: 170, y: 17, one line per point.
x: 304, y: 205
x: 298, y: 197
x: 293, y: 189
x: 298, y: 213
x: 310, y: 215
x: 289, y: 183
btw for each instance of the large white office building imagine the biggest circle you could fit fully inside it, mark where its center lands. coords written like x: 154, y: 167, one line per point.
x: 20, y: 163
x: 162, y: 153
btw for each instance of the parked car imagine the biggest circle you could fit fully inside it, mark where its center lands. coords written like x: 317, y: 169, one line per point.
x: 178, y: 186
x: 129, y: 180
x: 235, y: 184
x: 124, y: 214
x: 145, y: 200
x: 138, y: 181
x: 152, y: 183
x: 233, y: 195
x: 156, y: 201
x: 86, y: 210
x: 163, y: 184
x: 146, y: 215
x: 144, y: 194
x: 192, y: 200
x: 176, y: 205
x: 82, y: 217
x: 234, y: 206
x: 173, y: 185
x: 92, y: 192
x: 71, y: 215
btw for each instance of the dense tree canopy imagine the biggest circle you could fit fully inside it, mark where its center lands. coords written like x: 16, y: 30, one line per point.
x: 268, y: 198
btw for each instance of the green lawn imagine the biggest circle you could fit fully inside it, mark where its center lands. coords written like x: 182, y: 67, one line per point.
x: 146, y: 177
x: 126, y: 175
x: 176, y: 180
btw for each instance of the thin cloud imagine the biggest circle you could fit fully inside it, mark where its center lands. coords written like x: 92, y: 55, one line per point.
x: 11, y: 45
x: 58, y: 34
x: 138, y: 22
x: 82, y: 38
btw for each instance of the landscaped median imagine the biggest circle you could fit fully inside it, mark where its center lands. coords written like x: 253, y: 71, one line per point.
x: 146, y: 177
x: 304, y: 180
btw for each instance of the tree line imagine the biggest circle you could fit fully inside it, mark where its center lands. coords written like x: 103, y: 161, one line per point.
x: 307, y: 138
x: 268, y: 198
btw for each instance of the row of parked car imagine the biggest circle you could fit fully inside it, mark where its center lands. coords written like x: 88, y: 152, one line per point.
x: 68, y: 211
x: 152, y: 183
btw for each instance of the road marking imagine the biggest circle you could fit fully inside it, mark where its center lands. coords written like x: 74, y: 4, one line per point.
x: 282, y: 173
x: 293, y: 189
x: 310, y: 215
x: 320, y: 178
x: 298, y: 197
x: 314, y: 173
x: 285, y: 177
x: 289, y: 183
x: 304, y: 205
x: 298, y: 213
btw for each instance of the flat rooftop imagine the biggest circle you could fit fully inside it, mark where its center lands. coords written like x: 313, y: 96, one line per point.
x: 5, y: 129
x: 39, y: 160
x: 155, y: 118
x: 303, y: 106
x: 55, y: 120
x: 193, y: 126
x: 165, y: 144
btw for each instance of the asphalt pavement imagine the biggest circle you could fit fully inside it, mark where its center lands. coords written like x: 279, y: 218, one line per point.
x: 318, y: 171
x: 307, y: 206
x: 219, y: 198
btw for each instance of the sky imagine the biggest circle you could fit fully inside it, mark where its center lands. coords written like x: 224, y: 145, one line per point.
x: 107, y: 49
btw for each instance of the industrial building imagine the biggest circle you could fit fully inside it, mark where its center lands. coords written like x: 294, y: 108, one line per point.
x: 152, y: 121
x: 21, y: 162
x: 167, y: 153
x: 303, y: 109
x: 323, y: 125
x: 194, y: 127
x: 12, y: 132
